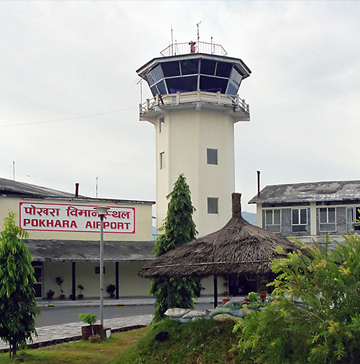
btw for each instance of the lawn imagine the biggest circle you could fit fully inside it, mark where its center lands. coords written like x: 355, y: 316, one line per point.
x: 79, y: 352
x: 203, y: 341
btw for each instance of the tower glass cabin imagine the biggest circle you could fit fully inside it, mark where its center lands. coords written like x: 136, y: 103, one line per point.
x: 194, y: 107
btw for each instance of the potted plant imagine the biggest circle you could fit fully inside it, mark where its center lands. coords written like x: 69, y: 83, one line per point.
x: 263, y: 288
x: 49, y: 294
x: 81, y: 288
x: 253, y: 297
x: 111, y: 289
x: 96, y: 332
x: 94, y: 338
x: 60, y: 281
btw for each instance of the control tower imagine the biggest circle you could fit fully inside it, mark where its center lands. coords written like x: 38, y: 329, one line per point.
x: 194, y: 107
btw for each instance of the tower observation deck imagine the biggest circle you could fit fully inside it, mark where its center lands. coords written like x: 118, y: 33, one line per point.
x: 196, y: 74
x: 194, y: 107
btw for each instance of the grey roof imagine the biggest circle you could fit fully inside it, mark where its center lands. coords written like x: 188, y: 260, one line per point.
x: 10, y: 188
x: 89, y: 251
x: 336, y: 191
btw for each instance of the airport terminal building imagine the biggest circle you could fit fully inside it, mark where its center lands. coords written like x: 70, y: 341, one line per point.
x: 64, y: 235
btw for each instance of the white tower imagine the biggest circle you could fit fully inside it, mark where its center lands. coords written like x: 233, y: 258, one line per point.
x: 194, y: 109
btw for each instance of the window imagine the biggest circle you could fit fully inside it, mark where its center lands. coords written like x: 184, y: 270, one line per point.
x: 212, y: 156
x: 273, y: 220
x: 327, y: 219
x: 190, y: 66
x: 299, y: 220
x: 162, y: 160
x: 352, y: 218
x: 213, y: 84
x: 161, y: 124
x: 213, y: 205
x: 182, y: 84
x: 224, y: 69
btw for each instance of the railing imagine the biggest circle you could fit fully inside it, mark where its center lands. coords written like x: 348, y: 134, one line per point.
x: 195, y: 96
x: 193, y: 47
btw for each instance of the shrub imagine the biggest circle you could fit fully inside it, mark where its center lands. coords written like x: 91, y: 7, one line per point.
x: 316, y: 317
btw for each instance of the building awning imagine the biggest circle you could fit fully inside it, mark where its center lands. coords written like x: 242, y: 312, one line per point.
x: 89, y: 251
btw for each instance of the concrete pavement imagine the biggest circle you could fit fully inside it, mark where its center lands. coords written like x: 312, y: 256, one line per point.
x: 56, y: 334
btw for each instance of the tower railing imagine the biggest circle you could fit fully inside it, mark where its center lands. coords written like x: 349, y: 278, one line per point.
x: 193, y: 47
x: 192, y: 97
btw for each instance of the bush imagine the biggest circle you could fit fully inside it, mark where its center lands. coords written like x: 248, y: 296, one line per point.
x: 316, y: 316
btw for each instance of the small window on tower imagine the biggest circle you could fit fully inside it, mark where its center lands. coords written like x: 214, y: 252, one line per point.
x: 212, y: 156
x: 213, y: 205
x: 162, y: 160
x: 161, y: 124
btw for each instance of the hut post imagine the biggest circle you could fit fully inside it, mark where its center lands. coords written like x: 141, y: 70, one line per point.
x: 215, y: 292
x: 168, y: 292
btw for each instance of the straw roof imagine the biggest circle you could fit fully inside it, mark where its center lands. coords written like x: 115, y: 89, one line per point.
x: 238, y: 248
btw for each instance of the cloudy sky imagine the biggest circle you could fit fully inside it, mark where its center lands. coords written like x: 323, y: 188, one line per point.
x: 69, y: 94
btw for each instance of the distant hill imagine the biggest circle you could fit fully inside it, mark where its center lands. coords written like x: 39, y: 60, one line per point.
x: 249, y: 217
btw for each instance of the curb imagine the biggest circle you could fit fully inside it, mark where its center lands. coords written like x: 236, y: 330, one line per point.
x: 44, y: 344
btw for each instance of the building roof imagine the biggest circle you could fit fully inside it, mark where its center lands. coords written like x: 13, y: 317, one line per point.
x: 10, y: 188
x: 238, y: 248
x: 336, y: 191
x: 89, y: 251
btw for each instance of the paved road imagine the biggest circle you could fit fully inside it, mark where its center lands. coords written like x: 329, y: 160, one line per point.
x: 63, y: 315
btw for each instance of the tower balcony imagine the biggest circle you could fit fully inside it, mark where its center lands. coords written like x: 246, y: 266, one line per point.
x: 196, y: 100
x: 193, y: 47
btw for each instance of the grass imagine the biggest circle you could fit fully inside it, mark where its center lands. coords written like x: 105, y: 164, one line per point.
x: 203, y: 341
x: 79, y: 352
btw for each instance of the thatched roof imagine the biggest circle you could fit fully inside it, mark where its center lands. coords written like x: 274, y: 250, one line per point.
x: 237, y: 248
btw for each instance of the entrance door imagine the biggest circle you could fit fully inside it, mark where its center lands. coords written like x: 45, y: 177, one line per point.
x: 38, y: 276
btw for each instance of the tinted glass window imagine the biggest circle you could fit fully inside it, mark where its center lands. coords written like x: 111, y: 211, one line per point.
x: 207, y: 67
x: 232, y: 90
x: 212, y: 156
x: 161, y: 87
x: 213, y: 205
x: 235, y: 76
x: 223, y: 69
x: 171, y: 69
x: 154, y: 90
x: 149, y: 79
x: 182, y: 84
x: 213, y: 84
x: 157, y: 73
x: 190, y: 66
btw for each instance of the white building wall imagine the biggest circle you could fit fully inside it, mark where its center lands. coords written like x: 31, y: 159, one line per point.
x: 184, y: 138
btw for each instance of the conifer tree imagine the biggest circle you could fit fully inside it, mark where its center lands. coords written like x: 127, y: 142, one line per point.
x: 179, y: 228
x: 17, y: 295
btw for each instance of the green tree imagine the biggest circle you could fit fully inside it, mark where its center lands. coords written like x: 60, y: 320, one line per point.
x: 316, y: 315
x: 17, y: 296
x: 179, y: 228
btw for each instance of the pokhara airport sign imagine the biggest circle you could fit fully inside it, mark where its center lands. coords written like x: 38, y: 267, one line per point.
x: 75, y: 218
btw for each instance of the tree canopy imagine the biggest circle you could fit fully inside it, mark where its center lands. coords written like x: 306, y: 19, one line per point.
x: 17, y: 295
x: 315, y: 315
x: 179, y: 228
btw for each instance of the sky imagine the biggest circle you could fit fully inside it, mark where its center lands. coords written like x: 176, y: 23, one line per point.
x: 69, y: 93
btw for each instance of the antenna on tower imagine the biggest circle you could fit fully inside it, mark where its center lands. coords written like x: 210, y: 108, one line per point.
x: 172, y: 41
x: 198, y: 31
x: 141, y: 93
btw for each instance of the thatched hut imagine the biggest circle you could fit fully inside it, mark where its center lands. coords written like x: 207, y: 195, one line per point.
x: 238, y: 248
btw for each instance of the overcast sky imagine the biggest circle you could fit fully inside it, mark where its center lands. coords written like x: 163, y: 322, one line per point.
x: 69, y: 94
